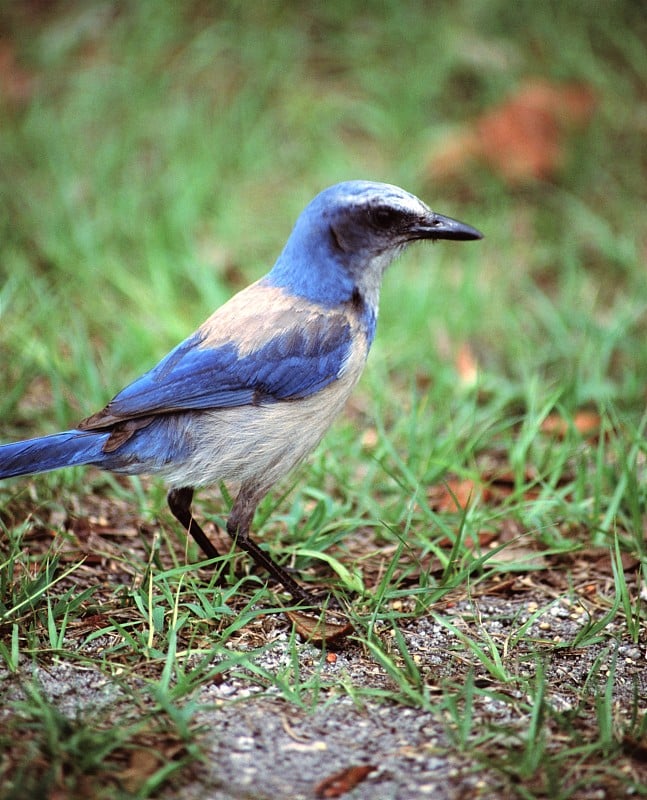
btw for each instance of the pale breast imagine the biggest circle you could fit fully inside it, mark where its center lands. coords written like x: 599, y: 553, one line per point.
x: 260, y: 444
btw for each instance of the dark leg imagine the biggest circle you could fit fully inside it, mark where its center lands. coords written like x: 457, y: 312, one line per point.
x: 179, y: 501
x: 238, y: 525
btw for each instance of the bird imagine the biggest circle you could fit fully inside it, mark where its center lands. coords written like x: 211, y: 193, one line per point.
x: 251, y: 393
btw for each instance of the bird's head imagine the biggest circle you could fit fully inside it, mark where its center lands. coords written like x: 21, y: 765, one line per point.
x: 349, y: 234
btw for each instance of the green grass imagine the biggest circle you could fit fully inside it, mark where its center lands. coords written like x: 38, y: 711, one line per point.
x: 153, y: 166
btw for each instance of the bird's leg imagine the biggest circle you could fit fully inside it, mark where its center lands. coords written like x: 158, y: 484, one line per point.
x: 238, y: 525
x: 179, y: 501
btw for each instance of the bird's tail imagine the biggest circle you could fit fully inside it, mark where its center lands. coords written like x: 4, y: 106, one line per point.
x: 67, y: 449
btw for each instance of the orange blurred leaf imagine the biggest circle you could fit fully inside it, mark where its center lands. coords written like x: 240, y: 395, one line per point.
x: 142, y: 764
x: 524, y: 138
x: 585, y: 422
x: 16, y: 83
x: 342, y: 782
x: 484, y: 538
x: 454, y: 494
x: 467, y: 365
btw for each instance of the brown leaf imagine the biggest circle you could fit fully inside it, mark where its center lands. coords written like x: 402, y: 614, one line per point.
x: 16, y: 83
x: 330, y: 628
x: 370, y: 438
x: 466, y: 366
x: 587, y: 423
x: 522, y: 557
x: 504, y: 477
x: 484, y: 538
x: 344, y: 781
x: 453, y: 495
x: 604, y: 565
x: 524, y: 138
x: 501, y: 483
x: 142, y: 764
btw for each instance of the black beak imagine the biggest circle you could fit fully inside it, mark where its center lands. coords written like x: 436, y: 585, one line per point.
x: 436, y: 226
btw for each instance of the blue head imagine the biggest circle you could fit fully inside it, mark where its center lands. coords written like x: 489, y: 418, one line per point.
x: 348, y: 235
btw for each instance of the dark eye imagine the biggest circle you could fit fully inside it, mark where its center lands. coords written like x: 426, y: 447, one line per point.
x: 385, y: 217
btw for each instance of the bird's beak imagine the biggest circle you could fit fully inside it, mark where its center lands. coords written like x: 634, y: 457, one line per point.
x: 436, y: 226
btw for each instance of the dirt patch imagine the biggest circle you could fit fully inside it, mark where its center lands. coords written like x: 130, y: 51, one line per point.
x: 256, y: 743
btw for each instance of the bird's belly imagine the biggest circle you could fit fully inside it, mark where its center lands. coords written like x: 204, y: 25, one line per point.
x: 256, y: 444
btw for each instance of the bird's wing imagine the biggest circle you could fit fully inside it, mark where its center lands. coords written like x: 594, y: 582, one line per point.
x: 280, y: 356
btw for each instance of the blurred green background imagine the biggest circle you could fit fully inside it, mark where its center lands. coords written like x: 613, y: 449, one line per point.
x: 153, y: 157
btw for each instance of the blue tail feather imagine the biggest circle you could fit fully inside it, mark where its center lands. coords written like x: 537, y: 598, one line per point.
x: 67, y: 449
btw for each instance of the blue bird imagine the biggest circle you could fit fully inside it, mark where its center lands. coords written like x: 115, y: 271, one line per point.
x: 250, y: 393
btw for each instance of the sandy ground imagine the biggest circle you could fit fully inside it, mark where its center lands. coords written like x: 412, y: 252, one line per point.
x: 258, y: 745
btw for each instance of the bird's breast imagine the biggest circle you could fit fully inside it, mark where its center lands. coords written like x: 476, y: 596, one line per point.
x: 258, y: 445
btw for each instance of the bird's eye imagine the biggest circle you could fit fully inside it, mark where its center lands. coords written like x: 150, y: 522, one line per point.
x: 384, y: 217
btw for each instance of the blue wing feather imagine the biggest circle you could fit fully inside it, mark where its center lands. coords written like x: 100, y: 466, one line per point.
x: 292, y: 364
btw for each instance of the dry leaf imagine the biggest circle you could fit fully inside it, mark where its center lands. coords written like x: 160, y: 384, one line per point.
x: 523, y: 139
x: 587, y: 423
x: 494, y: 485
x: 342, y: 782
x: 521, y: 556
x: 466, y: 366
x: 370, y: 438
x: 484, y: 538
x: 329, y: 628
x: 453, y: 495
x: 16, y: 83
x: 604, y: 565
x: 143, y: 764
